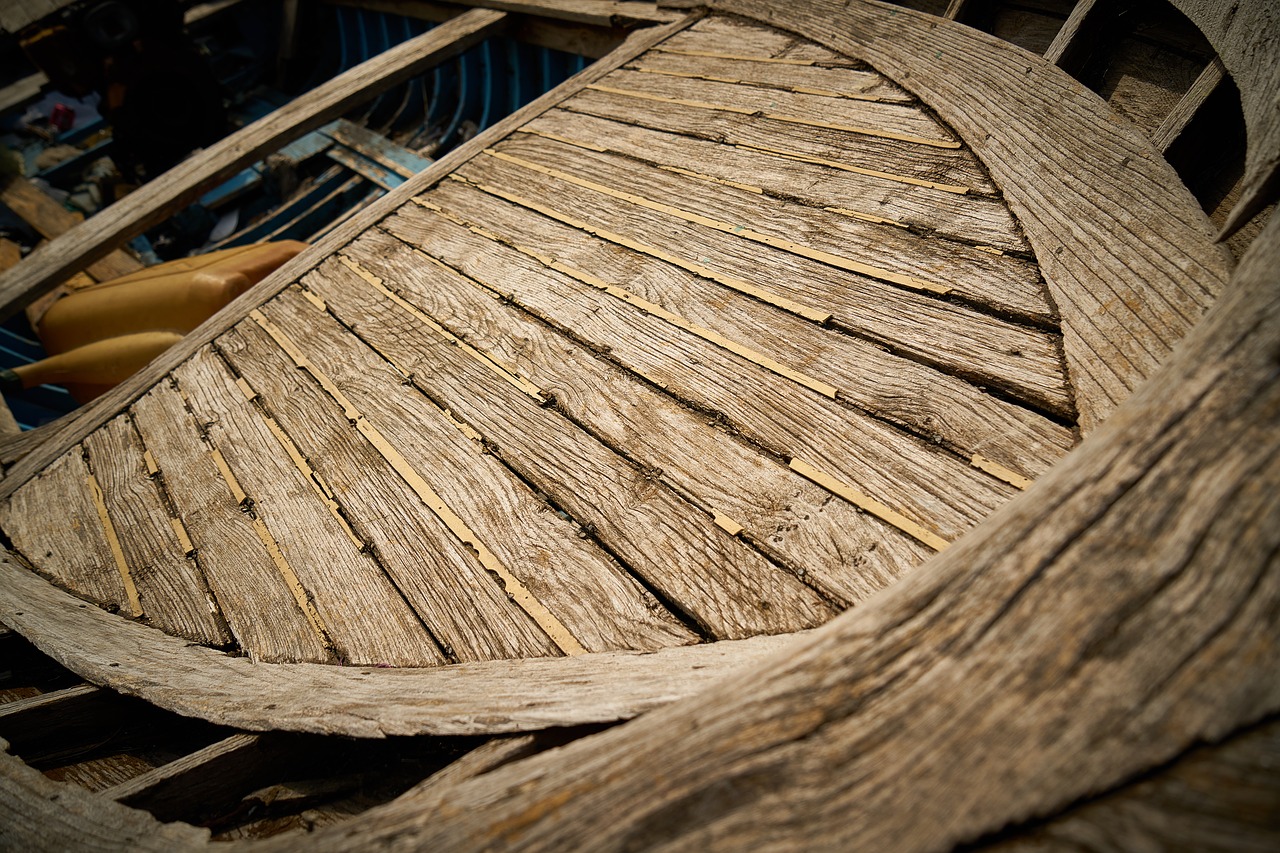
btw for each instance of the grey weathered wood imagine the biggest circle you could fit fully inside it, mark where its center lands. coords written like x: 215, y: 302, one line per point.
x: 872, y: 118
x: 933, y: 488
x: 53, y: 720
x: 159, y: 199
x: 954, y: 166
x: 955, y: 338
x: 260, y: 609
x: 931, y: 404
x: 597, y: 12
x: 361, y: 610
x: 812, y: 79
x: 1244, y: 35
x: 1030, y: 666
x: 845, y: 553
x: 1080, y: 28
x: 173, y: 592
x: 21, y: 13
x: 743, y: 38
x: 1130, y: 262
x: 489, y: 697
x: 1177, y: 120
x: 22, y: 90
x: 665, y: 540
x: 602, y: 608
x: 90, y: 417
x: 53, y: 521
x: 939, y: 213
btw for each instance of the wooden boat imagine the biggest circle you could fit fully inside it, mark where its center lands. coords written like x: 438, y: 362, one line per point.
x: 777, y: 311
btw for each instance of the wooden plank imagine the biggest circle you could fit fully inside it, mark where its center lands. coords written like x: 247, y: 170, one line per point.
x: 174, y: 594
x: 739, y: 37
x: 54, y: 523
x: 996, y: 686
x: 814, y: 79
x: 933, y: 405
x: 182, y: 184
x: 951, y: 166
x: 602, y: 608
x: 869, y: 118
x: 17, y: 14
x: 940, y: 210
x: 52, y: 220
x: 486, y: 697
x: 609, y: 13
x: 846, y: 554
x: 660, y: 537
x: 260, y: 608
x: 1181, y: 115
x: 361, y: 610
x: 997, y: 283
x: 957, y: 339
x: 102, y: 409
x: 1130, y: 264
x: 1081, y: 28
x: 929, y: 486
x: 58, y: 720
x: 22, y: 90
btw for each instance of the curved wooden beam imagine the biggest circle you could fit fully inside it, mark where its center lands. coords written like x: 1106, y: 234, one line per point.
x: 487, y: 697
x: 1112, y: 617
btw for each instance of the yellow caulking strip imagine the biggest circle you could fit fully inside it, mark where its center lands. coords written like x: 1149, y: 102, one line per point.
x: 865, y: 217
x: 465, y: 428
x: 858, y: 170
x: 991, y: 250
x: 738, y: 230
x: 245, y: 389
x: 799, y: 90
x: 225, y: 471
x: 152, y: 467
x: 183, y: 539
x: 117, y: 553
x: 524, y: 599
x: 524, y: 385
x: 995, y: 469
x: 574, y: 142
x: 727, y: 524
x: 314, y: 300
x: 869, y: 505
x: 746, y: 287
x: 290, y: 578
x: 301, y: 464
x: 748, y: 187
x: 862, y: 131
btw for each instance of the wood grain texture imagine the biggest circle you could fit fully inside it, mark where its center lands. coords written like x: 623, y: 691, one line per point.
x: 53, y: 522
x: 99, y: 411
x: 958, y: 340
x: 924, y: 401
x: 361, y: 610
x: 174, y: 594
x: 1181, y: 115
x: 1245, y: 35
x: 1114, y: 616
x: 489, y: 697
x: 846, y: 554
x: 159, y: 199
x: 929, y: 210
x: 1130, y: 263
x: 587, y: 591
x: 729, y: 589
x: 259, y: 606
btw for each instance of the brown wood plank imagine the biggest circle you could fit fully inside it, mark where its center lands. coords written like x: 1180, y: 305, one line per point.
x: 1019, y: 360
x: 601, y: 607
x: 922, y: 400
x: 159, y: 199
x: 952, y: 166
x: 54, y: 522
x: 807, y: 79
x: 1181, y: 115
x: 885, y: 120
x: 360, y: 609
x: 929, y: 486
x: 173, y: 592
x: 1130, y: 263
x: 728, y: 588
x: 996, y: 283
x: 746, y: 38
x: 845, y: 553
x: 259, y: 605
x: 933, y: 210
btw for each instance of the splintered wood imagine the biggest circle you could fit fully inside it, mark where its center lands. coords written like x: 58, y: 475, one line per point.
x: 726, y: 342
